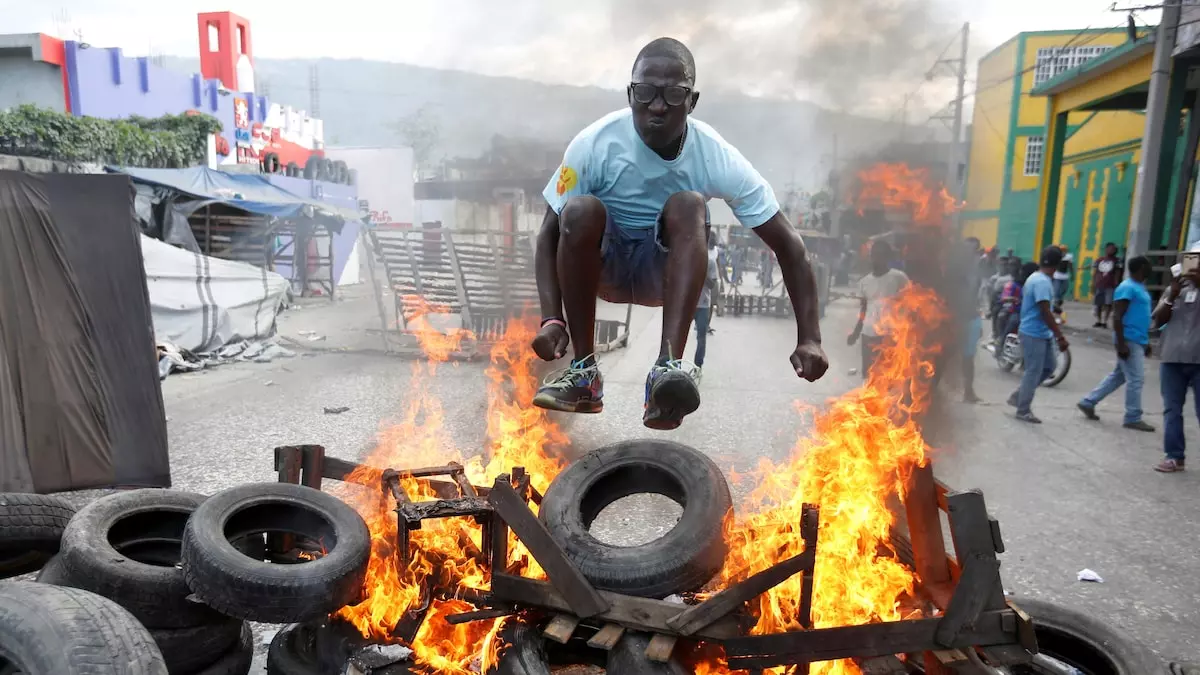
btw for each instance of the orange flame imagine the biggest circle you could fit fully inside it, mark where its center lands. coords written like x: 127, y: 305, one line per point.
x: 856, y: 461
x: 898, y: 187
x: 444, y: 553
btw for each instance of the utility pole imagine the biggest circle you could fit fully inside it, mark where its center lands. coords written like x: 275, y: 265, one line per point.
x: 314, y: 91
x: 958, y: 68
x: 1152, y: 139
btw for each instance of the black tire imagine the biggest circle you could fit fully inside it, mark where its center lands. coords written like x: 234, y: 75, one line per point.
x: 191, y: 650
x: 32, y: 522
x: 48, y: 630
x: 628, y: 657
x: 525, y: 653
x: 1079, y: 640
x: 236, y: 661
x: 684, y: 559
x: 16, y: 564
x: 1062, y: 365
x: 115, y: 547
x: 52, y: 572
x: 239, y: 586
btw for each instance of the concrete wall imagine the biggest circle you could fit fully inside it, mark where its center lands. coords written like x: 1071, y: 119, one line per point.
x: 24, y: 80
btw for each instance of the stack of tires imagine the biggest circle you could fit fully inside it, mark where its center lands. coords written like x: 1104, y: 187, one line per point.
x: 190, y: 571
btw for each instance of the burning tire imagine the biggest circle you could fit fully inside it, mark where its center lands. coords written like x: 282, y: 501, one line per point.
x: 31, y: 528
x: 682, y: 560
x: 628, y: 657
x: 1078, y: 640
x: 126, y: 547
x: 67, y: 631
x: 317, y: 648
x: 238, y: 585
x: 526, y: 650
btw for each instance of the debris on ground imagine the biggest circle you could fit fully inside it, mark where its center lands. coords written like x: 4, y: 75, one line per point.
x: 336, y: 411
x: 372, y: 657
x: 1089, y: 575
x: 175, y: 359
x: 311, y: 335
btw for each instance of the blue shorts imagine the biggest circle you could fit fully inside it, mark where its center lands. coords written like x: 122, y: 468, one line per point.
x: 634, y: 264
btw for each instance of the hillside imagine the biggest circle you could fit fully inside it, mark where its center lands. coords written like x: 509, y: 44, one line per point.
x: 360, y: 99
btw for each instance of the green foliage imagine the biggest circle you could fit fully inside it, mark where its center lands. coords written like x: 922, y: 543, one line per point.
x: 172, y: 141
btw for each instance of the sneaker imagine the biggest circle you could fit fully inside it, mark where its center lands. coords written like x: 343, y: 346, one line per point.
x: 1029, y: 417
x: 1139, y: 425
x: 699, y: 374
x: 1169, y: 465
x: 1089, y: 411
x: 970, y: 397
x: 578, y: 389
x: 671, y: 394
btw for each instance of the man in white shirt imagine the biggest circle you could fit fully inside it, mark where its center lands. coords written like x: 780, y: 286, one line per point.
x: 876, y: 290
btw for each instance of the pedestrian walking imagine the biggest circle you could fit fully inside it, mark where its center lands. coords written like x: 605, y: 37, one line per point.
x: 875, y: 289
x: 1062, y: 279
x: 704, y: 313
x: 1131, y: 336
x: 1038, y: 332
x: 1180, y: 369
x: 1106, y: 275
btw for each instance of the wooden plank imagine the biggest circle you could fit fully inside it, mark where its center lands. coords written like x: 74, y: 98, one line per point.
x: 883, y: 665
x: 561, y: 628
x: 660, y: 648
x: 979, y: 575
x: 871, y: 640
x: 971, y: 530
x: 497, y: 549
x: 415, y: 512
x: 925, y: 527
x: 585, y: 601
x: 810, y: 518
x: 607, y: 637
x: 640, y: 614
x: 479, y: 615
x: 694, y: 618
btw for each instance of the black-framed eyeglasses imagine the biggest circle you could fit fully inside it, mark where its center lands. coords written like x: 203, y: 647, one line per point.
x: 646, y: 93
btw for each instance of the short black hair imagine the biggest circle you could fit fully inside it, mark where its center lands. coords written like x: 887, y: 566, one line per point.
x: 883, y: 246
x: 1137, y: 264
x: 1051, y: 256
x: 1111, y: 243
x: 669, y: 48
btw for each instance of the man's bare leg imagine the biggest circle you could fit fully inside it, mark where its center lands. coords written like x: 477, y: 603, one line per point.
x: 687, y: 264
x: 581, y: 226
x: 671, y: 390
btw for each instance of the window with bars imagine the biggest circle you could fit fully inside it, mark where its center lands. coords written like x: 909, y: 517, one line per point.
x: 1053, y: 61
x: 1034, y: 149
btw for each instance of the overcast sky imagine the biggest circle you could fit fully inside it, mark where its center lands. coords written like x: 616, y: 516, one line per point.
x: 837, y: 52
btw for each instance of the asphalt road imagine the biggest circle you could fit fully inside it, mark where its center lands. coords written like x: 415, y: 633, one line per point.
x: 1070, y: 494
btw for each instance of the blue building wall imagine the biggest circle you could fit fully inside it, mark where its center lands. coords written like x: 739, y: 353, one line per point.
x: 106, y: 84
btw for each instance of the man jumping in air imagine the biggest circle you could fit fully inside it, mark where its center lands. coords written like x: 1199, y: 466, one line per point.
x: 626, y: 223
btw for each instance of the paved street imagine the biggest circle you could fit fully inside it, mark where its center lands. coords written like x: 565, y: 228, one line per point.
x: 1069, y: 494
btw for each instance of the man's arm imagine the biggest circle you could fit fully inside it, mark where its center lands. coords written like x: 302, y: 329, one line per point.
x: 546, y: 266
x: 1119, y: 327
x: 858, y: 327
x: 1048, y: 318
x: 798, y: 277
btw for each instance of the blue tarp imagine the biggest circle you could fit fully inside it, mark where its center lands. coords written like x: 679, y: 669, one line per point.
x: 248, y: 192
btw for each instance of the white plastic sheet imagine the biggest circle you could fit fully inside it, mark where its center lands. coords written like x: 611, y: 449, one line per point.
x: 200, y: 303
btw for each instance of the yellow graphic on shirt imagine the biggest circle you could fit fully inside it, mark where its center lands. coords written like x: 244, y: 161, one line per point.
x: 567, y: 180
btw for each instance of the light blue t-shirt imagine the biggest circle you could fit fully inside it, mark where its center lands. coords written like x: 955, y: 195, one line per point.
x: 609, y: 161
x: 1136, y: 321
x: 1038, y: 288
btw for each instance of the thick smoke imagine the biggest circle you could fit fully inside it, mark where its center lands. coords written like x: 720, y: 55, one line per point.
x: 851, y: 54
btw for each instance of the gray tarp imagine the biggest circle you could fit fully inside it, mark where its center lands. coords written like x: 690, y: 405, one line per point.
x: 202, y: 303
x: 80, y: 400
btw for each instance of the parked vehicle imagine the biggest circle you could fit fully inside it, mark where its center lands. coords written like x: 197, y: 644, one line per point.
x: 1009, y: 356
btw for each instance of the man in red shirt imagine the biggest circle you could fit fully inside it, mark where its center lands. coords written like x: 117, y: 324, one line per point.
x: 1106, y: 274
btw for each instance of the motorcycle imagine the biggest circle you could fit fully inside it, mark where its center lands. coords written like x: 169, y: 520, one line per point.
x: 1009, y: 356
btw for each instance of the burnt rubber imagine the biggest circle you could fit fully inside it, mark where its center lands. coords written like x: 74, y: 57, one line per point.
x: 67, y: 631
x: 309, y: 648
x: 1080, y: 640
x: 31, y: 527
x: 628, y: 657
x: 126, y: 547
x: 525, y: 653
x: 239, y: 586
x: 682, y: 560
x: 196, y: 649
x: 673, y: 396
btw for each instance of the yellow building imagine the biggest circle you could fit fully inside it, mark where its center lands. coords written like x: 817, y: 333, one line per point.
x: 1008, y: 150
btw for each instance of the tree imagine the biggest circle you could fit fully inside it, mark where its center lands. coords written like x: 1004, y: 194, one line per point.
x: 421, y: 131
